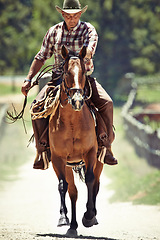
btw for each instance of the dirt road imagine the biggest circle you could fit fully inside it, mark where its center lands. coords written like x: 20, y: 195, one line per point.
x: 29, y: 209
x: 29, y: 206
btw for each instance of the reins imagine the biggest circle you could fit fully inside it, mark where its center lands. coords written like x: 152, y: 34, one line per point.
x: 14, y: 116
x: 49, y: 68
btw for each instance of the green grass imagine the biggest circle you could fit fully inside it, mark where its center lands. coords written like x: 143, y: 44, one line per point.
x: 132, y: 179
x: 153, y: 124
x: 13, y: 144
x: 14, y: 151
x: 148, y: 93
x: 8, y: 89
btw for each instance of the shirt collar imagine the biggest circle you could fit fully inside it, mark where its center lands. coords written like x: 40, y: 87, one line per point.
x: 73, y: 29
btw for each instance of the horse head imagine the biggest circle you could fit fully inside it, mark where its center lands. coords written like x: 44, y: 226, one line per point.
x: 74, y: 77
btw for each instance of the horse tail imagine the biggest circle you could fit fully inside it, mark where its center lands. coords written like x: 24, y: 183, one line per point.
x: 81, y: 170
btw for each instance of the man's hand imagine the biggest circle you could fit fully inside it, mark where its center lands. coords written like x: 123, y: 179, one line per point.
x: 34, y: 69
x: 25, y: 88
x: 88, y: 54
x: 87, y: 57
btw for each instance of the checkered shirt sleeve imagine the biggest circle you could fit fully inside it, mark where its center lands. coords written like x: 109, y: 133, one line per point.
x: 84, y: 34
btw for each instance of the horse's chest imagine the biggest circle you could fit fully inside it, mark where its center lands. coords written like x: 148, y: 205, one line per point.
x: 72, y: 134
x: 72, y: 139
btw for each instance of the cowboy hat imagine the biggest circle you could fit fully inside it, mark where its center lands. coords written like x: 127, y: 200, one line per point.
x: 71, y: 6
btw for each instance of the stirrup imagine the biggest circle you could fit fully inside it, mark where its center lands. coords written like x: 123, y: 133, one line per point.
x: 101, y: 154
x: 105, y: 156
x: 45, y: 160
x: 42, y: 157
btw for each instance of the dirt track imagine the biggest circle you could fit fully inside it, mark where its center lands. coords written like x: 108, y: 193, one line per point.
x: 29, y: 209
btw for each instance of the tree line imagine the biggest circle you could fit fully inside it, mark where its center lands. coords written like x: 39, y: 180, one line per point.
x: 129, y: 35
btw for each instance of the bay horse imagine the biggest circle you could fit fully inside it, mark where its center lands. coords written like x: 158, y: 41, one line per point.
x: 72, y: 138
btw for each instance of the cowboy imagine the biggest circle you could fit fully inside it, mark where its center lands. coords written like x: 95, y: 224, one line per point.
x: 72, y: 33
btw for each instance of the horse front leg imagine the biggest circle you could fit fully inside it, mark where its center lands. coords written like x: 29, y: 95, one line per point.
x: 59, y: 168
x: 72, y: 190
x: 89, y: 218
x: 62, y: 187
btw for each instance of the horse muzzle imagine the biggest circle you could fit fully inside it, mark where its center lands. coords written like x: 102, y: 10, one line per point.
x: 77, y: 101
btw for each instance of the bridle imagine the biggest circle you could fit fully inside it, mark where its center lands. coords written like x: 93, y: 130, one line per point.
x: 71, y: 92
x: 14, y: 116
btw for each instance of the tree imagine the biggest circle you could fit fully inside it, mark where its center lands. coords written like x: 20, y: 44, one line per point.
x: 14, y: 33
x: 129, y: 35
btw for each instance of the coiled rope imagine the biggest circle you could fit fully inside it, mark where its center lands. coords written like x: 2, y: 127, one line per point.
x: 46, y: 106
x: 14, y: 116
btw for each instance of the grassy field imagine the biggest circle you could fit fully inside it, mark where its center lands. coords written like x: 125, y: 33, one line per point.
x: 13, y: 144
x: 132, y: 179
x: 8, y: 89
x: 14, y: 151
x: 148, y: 94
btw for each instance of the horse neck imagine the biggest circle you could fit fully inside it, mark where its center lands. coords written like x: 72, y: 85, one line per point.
x: 63, y: 99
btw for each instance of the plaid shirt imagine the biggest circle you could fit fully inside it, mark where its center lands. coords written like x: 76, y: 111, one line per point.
x: 58, y: 35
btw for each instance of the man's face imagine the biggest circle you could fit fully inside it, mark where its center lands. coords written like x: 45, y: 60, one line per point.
x: 71, y: 19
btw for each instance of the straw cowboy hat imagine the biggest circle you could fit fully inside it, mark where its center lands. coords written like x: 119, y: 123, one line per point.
x: 71, y: 6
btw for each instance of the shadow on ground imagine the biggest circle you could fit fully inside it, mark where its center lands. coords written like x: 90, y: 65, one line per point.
x: 59, y: 236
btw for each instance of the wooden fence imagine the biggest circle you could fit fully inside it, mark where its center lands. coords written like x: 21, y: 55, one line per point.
x: 145, y: 140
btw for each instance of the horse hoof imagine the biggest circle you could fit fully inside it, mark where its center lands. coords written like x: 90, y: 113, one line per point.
x: 89, y: 223
x: 63, y: 221
x: 71, y: 233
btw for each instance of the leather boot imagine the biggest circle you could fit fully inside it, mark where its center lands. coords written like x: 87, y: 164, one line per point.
x: 108, y: 136
x: 42, y: 160
x: 104, y: 104
x: 109, y: 158
x: 105, y: 155
x: 40, y: 128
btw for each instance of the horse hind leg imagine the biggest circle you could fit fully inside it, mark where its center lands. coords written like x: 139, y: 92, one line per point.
x: 89, y: 218
x: 96, y: 184
x: 97, y: 173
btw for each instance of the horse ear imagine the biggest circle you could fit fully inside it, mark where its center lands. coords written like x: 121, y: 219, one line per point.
x: 64, y: 52
x: 83, y: 52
